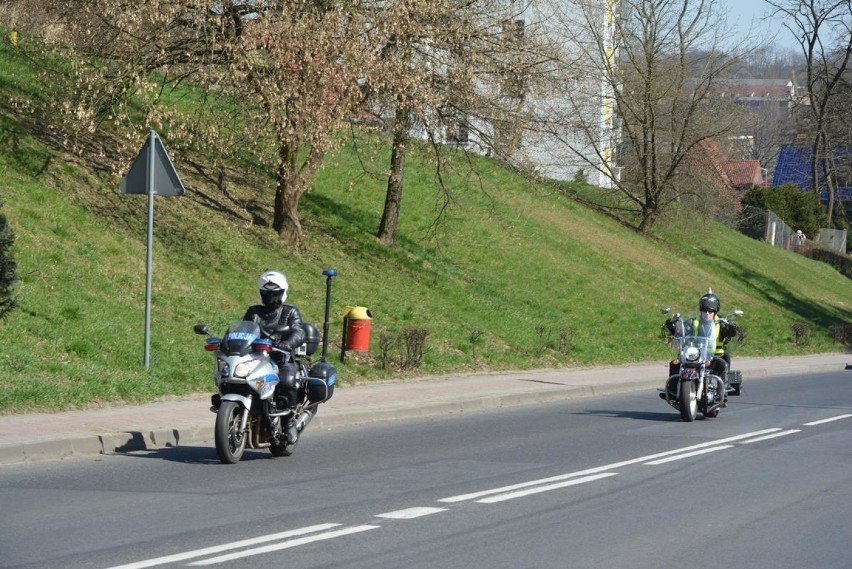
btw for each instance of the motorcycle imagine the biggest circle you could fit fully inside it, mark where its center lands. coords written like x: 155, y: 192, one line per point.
x: 696, y: 387
x: 253, y: 406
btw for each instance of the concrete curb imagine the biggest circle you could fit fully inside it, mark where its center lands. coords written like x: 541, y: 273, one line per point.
x: 138, y: 440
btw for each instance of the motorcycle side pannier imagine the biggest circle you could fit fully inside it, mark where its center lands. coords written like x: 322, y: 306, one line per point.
x: 321, y: 379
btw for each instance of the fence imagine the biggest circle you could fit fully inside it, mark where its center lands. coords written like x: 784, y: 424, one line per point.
x: 779, y: 234
x: 832, y: 239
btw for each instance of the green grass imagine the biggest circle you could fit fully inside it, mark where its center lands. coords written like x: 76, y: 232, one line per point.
x: 515, y: 261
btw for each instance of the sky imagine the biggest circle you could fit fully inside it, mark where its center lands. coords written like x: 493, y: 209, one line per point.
x: 742, y: 14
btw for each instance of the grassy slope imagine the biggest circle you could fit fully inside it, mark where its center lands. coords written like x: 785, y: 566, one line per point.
x: 516, y: 261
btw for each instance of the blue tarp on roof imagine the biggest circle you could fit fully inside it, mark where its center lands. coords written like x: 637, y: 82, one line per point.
x: 794, y: 166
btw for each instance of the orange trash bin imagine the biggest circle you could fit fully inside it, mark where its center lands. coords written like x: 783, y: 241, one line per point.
x: 358, y: 320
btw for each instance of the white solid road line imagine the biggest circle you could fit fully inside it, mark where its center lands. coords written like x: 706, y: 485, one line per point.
x: 772, y: 436
x: 599, y: 469
x: 687, y: 455
x: 284, y: 545
x: 224, y: 547
x: 537, y: 489
x: 829, y: 420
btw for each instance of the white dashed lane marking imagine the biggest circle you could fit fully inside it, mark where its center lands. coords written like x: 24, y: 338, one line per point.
x: 410, y: 513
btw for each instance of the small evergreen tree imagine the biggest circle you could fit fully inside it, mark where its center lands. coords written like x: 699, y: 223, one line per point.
x: 8, y: 273
x: 798, y: 209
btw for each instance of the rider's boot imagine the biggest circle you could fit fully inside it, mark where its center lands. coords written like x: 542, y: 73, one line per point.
x: 292, y: 432
x: 275, y: 427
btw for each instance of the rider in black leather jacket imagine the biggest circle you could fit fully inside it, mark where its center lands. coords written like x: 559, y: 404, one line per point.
x: 273, y: 316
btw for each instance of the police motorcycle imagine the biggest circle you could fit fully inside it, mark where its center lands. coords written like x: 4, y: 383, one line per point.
x: 696, y: 386
x: 252, y: 408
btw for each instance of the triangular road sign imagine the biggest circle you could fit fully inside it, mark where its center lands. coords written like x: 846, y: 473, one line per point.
x: 166, y: 180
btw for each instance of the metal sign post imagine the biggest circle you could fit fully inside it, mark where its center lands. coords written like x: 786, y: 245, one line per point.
x: 152, y: 173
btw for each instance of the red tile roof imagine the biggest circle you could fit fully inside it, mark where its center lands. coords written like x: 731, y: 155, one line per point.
x: 744, y: 173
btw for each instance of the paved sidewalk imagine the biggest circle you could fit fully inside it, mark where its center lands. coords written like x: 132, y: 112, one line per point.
x: 188, y: 421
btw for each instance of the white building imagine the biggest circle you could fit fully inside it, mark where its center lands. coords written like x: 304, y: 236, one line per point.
x: 563, y: 126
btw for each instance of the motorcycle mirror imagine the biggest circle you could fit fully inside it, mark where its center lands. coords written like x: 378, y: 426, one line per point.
x: 201, y: 329
x: 665, y: 309
x: 737, y: 313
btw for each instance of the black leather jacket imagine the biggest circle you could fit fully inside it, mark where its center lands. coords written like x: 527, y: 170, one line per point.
x: 287, y: 315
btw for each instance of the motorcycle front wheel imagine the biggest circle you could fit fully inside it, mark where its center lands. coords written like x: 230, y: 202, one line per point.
x: 688, y: 403
x: 230, y: 443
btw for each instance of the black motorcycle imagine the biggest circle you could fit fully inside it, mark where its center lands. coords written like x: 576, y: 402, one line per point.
x: 696, y: 386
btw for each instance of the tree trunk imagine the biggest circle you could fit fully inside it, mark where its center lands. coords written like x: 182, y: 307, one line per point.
x: 815, y: 154
x: 393, y: 199
x: 648, y: 219
x: 829, y: 188
x: 285, y: 220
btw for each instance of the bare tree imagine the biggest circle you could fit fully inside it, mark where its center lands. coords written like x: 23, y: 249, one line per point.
x: 273, y: 73
x: 407, y: 84
x: 823, y: 29
x: 638, y: 78
x: 446, y: 63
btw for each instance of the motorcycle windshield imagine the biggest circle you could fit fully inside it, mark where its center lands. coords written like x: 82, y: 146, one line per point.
x: 239, y: 337
x: 696, y: 339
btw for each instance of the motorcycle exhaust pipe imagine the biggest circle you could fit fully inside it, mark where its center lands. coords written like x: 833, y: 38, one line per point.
x: 304, y: 419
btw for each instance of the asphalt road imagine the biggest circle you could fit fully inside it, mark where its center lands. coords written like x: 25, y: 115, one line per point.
x: 603, y: 481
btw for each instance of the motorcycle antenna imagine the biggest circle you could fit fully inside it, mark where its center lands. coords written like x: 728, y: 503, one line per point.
x: 329, y: 274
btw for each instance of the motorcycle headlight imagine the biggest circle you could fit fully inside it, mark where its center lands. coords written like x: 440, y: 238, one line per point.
x: 692, y: 354
x: 244, y: 369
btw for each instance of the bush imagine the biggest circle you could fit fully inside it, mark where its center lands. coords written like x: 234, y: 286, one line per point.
x: 842, y: 334
x: 801, y: 334
x: 8, y: 268
x: 841, y: 262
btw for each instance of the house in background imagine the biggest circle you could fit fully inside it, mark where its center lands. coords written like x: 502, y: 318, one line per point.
x: 794, y: 167
x: 711, y: 164
x: 756, y: 93
x: 744, y: 175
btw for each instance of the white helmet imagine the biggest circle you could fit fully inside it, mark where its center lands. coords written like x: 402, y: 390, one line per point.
x: 273, y: 288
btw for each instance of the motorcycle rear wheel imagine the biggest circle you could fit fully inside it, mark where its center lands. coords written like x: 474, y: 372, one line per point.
x: 688, y: 402
x: 230, y: 443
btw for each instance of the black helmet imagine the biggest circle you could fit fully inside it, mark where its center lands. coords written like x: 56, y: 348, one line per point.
x: 709, y: 302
